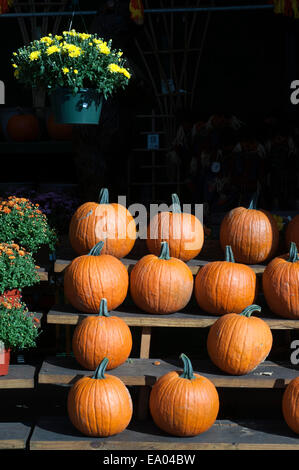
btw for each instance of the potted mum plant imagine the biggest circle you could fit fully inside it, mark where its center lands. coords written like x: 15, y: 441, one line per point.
x: 17, y: 270
x: 78, y: 70
x: 19, y: 329
x: 22, y: 222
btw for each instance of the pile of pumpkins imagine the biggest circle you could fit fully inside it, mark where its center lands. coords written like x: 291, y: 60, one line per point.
x: 96, y: 282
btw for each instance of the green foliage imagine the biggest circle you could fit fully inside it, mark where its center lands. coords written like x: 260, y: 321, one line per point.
x: 72, y: 60
x: 19, y: 329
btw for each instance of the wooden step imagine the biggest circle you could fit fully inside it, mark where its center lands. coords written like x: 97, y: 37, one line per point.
x: 19, y: 376
x: 67, y: 315
x: 14, y: 436
x: 141, y: 372
x: 57, y: 433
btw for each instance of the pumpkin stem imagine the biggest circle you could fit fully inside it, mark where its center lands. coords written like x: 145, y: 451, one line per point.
x: 100, y: 370
x: 293, y: 253
x: 103, y: 309
x: 104, y: 196
x: 188, y: 369
x: 249, y: 310
x: 164, y: 251
x: 176, y: 205
x: 96, y: 250
x: 253, y: 202
x: 229, y: 256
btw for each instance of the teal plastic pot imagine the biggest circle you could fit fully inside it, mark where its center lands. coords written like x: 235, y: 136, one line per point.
x: 83, y: 107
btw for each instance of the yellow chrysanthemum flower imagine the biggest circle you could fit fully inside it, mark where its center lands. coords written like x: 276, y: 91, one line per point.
x: 73, y: 51
x: 15, y: 66
x: 125, y: 72
x: 114, y: 68
x: 34, y: 55
x: 75, y: 71
x: 58, y: 37
x: 52, y: 50
x: 47, y: 40
x: 103, y: 48
x: 84, y: 36
x: 65, y: 70
x: 14, y: 53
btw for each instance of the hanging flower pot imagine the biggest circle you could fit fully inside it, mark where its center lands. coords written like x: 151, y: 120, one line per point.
x: 4, y: 361
x: 13, y: 295
x: 83, y: 107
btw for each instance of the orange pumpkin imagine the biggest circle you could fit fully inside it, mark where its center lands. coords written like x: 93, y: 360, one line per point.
x: 281, y: 284
x: 112, y: 223
x: 292, y: 231
x: 100, y: 406
x: 161, y: 284
x: 102, y: 336
x: 183, y: 231
x: 238, y: 343
x: 225, y: 286
x: 290, y: 407
x: 184, y: 404
x: 253, y: 234
x: 23, y: 127
x: 90, y: 278
x: 59, y: 131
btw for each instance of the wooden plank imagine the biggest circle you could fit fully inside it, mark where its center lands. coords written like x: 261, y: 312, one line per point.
x: 19, y: 376
x: 145, y: 372
x: 14, y: 435
x: 67, y: 315
x: 57, y: 433
x: 43, y: 274
x: 194, y: 265
x: 146, y: 335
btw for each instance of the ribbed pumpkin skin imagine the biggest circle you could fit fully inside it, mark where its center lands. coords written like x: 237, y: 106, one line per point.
x: 183, y: 232
x: 88, y: 279
x: 237, y: 344
x: 281, y: 287
x: 99, y: 408
x: 184, y: 407
x: 98, y: 337
x: 161, y: 286
x: 292, y: 231
x: 290, y: 405
x: 252, y: 234
x: 94, y: 222
x: 222, y: 287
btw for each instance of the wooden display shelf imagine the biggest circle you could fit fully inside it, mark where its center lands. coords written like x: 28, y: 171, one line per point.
x: 19, y: 376
x: 57, y: 433
x: 14, y: 436
x: 43, y: 274
x: 144, y: 372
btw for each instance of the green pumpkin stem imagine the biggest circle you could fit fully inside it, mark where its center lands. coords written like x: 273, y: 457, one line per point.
x: 229, y: 256
x: 104, y: 196
x: 176, y: 205
x: 100, y: 370
x: 293, y: 253
x: 164, y: 254
x: 96, y: 250
x: 253, y: 202
x: 249, y: 310
x: 188, y: 369
x: 103, y: 312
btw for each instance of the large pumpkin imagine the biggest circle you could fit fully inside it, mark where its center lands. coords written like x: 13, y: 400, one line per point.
x: 183, y: 232
x: 161, y: 284
x: 281, y: 284
x: 59, y: 131
x: 102, y: 336
x: 238, y: 343
x: 93, y: 222
x: 225, y: 286
x: 99, y: 406
x: 90, y: 278
x: 253, y: 234
x: 184, y: 404
x: 23, y: 127
x: 290, y: 405
x: 292, y: 231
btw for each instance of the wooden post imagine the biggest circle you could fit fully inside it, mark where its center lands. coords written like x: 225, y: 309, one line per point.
x: 144, y: 392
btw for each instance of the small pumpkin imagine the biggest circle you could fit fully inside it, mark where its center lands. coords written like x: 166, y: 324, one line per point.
x: 183, y: 231
x: 238, y: 343
x: 225, y: 286
x: 292, y: 231
x: 112, y: 223
x: 281, y: 284
x: 161, y: 284
x: 23, y: 127
x: 290, y: 408
x: 100, y: 406
x: 253, y: 234
x: 184, y: 404
x: 102, y: 336
x: 59, y: 131
x: 90, y: 278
